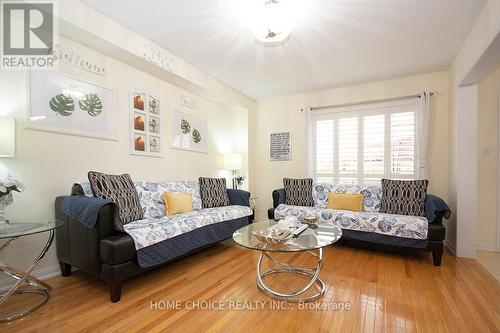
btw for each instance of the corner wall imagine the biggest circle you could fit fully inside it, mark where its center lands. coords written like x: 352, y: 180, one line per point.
x: 488, y: 167
x: 461, y: 233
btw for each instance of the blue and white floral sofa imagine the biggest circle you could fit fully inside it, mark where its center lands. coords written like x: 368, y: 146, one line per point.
x: 370, y: 226
x: 114, y: 255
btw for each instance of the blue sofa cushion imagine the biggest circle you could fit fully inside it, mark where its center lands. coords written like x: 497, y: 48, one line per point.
x: 84, y: 209
x: 239, y: 197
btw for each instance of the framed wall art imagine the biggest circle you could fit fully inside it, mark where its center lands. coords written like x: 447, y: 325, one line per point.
x: 188, y: 132
x: 63, y: 104
x: 146, y: 124
x: 280, y: 146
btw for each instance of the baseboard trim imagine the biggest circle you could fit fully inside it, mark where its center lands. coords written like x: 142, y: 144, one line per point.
x: 450, y: 247
x: 41, y: 274
x: 487, y: 247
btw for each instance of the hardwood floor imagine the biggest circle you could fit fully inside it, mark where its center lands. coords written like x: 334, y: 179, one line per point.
x: 386, y: 292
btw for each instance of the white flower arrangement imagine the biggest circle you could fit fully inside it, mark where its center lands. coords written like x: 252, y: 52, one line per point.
x: 11, y: 183
x: 239, y: 179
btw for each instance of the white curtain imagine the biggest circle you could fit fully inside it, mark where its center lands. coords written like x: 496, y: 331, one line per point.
x: 309, y: 131
x: 422, y: 124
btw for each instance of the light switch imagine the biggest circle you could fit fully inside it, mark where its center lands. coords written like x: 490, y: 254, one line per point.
x: 486, y: 151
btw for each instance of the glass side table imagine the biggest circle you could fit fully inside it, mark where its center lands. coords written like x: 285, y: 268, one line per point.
x: 26, y: 283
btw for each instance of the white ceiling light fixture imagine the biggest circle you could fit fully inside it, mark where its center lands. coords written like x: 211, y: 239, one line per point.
x: 272, y: 26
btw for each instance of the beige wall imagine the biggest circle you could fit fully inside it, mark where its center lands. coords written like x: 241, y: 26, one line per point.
x: 488, y: 108
x: 461, y: 232
x: 480, y: 37
x: 90, y: 27
x: 50, y: 162
x: 282, y: 114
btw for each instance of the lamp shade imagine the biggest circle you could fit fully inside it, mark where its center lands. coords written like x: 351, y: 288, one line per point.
x: 232, y: 161
x: 7, y: 137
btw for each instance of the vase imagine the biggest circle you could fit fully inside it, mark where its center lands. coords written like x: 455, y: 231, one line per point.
x: 5, y: 200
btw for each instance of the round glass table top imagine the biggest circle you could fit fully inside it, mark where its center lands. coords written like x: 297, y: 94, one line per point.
x: 13, y: 229
x: 314, y: 237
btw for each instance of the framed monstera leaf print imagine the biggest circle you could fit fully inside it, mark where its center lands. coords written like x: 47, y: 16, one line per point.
x: 188, y: 132
x: 63, y: 104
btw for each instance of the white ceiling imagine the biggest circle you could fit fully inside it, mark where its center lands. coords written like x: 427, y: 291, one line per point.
x: 333, y: 42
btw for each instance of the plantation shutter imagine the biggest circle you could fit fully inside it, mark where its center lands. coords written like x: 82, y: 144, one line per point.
x: 362, y: 145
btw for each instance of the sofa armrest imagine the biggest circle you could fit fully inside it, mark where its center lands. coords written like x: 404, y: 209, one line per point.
x: 270, y: 213
x: 77, y: 244
x: 278, y: 197
x: 436, y: 209
x: 239, y: 197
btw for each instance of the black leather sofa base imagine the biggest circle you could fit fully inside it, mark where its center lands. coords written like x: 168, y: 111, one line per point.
x: 110, y: 255
x: 394, y: 243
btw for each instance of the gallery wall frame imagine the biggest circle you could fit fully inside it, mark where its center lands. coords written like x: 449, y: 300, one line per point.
x: 64, y: 104
x: 146, y: 125
x: 188, y: 132
x: 280, y: 146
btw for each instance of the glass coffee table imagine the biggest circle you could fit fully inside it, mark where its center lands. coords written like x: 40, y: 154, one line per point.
x: 310, y: 241
x: 25, y: 282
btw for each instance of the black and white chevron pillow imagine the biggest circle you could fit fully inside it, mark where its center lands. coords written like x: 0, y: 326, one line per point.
x: 121, y: 190
x: 404, y: 197
x: 213, y: 192
x: 298, y: 192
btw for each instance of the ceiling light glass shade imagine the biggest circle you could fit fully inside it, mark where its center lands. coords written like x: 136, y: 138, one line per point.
x: 272, y: 26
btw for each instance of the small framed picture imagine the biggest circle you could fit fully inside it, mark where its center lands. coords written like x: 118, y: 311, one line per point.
x: 139, y: 142
x: 139, y: 101
x: 154, y: 125
x: 280, y: 146
x: 139, y: 121
x: 154, y: 105
x: 188, y: 132
x: 154, y: 143
x: 145, y: 129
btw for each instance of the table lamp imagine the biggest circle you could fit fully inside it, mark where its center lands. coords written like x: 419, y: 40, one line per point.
x: 232, y: 161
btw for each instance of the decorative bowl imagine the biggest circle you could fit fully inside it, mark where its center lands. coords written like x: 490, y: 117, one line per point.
x: 310, y: 219
x: 274, y: 237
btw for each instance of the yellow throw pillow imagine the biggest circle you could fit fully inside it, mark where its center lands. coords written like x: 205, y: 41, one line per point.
x: 345, y: 201
x: 177, y: 203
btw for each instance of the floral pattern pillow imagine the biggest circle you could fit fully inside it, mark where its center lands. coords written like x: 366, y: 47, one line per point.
x: 151, y: 195
x: 87, y: 190
x: 371, y: 201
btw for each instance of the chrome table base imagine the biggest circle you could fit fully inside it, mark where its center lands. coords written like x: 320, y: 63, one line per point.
x: 297, y: 295
x: 31, y: 285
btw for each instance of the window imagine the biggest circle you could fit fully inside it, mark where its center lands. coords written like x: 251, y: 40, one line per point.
x: 363, y: 144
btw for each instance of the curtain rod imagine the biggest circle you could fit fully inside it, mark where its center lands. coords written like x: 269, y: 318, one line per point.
x: 368, y: 102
